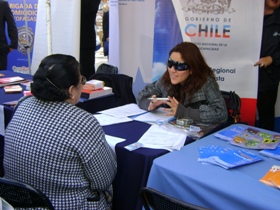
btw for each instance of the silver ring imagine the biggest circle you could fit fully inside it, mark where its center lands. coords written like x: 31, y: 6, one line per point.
x: 261, y: 65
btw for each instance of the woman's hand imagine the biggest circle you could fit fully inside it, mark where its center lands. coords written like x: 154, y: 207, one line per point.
x: 173, y: 104
x: 154, y: 103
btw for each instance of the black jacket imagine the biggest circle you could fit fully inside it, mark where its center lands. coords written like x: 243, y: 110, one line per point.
x: 105, y: 26
x: 6, y: 16
x: 269, y: 77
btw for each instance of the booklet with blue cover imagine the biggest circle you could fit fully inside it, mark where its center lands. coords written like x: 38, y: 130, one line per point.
x: 226, y: 157
x: 273, y: 153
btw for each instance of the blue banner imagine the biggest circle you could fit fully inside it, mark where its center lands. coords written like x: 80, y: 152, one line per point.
x: 25, y: 17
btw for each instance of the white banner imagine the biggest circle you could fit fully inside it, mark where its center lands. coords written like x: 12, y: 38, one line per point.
x: 65, y: 30
x: 131, y: 38
x: 228, y: 37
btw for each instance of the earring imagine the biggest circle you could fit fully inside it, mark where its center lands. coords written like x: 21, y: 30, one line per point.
x: 71, y: 95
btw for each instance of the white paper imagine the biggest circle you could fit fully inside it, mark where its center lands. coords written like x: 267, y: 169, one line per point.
x: 124, y: 111
x: 2, y: 121
x: 4, y: 205
x: 158, y: 137
x: 158, y: 116
x: 104, y: 119
x: 112, y: 141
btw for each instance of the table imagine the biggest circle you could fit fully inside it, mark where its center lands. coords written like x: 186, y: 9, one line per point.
x: 133, y: 167
x: 180, y: 175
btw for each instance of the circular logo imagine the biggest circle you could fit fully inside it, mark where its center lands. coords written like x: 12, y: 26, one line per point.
x: 25, y: 39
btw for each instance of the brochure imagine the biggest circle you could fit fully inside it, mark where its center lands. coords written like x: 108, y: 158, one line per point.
x: 229, y: 134
x: 259, y: 140
x: 272, y: 177
x: 250, y: 138
x: 273, y: 153
x: 226, y: 157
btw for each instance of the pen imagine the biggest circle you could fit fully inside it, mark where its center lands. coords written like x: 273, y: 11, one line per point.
x: 159, y: 99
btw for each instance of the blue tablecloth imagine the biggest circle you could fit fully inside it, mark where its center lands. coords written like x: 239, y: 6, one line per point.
x: 180, y: 175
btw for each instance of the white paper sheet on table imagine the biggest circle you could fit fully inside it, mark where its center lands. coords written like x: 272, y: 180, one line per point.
x: 104, y: 119
x: 112, y: 141
x: 124, y: 111
x: 157, y: 116
x: 158, y: 137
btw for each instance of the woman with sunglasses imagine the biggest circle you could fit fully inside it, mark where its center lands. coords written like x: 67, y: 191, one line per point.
x: 55, y: 146
x: 189, y: 85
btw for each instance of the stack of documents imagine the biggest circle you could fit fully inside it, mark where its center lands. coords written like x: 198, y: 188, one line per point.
x: 119, y: 114
x: 157, y: 137
x: 124, y: 111
x: 226, y: 157
x: 157, y: 116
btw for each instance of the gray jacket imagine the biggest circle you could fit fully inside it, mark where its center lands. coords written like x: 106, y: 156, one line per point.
x: 207, y: 104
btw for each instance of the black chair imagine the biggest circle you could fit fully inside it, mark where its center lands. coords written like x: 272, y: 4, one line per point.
x: 121, y: 85
x: 155, y: 200
x: 21, y: 195
x: 107, y: 69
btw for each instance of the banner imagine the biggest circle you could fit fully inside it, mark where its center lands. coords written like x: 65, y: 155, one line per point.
x: 131, y: 34
x: 25, y: 18
x: 229, y: 39
x: 65, y: 30
x: 225, y: 31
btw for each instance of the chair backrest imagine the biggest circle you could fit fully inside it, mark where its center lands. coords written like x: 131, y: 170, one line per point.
x: 21, y: 195
x: 233, y: 103
x: 121, y: 85
x: 107, y: 69
x: 155, y: 200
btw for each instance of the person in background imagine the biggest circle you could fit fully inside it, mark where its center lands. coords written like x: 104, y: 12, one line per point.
x: 269, y: 65
x: 55, y: 146
x: 89, y: 9
x: 105, y: 28
x: 190, y: 85
x: 6, y: 17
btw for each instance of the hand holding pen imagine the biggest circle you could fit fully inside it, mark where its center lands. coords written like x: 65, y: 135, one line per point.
x: 170, y: 101
x: 173, y: 104
x: 155, y: 102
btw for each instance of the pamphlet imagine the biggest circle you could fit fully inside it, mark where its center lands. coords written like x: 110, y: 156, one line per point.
x: 229, y: 134
x: 273, y: 153
x: 226, y: 157
x: 250, y: 138
x: 259, y: 140
x: 272, y: 177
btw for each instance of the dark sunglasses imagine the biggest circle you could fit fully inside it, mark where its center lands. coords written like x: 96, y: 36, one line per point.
x: 179, y: 66
x: 84, y: 80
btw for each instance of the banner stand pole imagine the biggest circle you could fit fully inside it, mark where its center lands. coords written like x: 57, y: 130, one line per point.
x: 27, y: 45
x: 48, y: 21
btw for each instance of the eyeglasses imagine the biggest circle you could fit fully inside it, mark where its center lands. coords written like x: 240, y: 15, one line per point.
x: 84, y: 80
x: 179, y: 66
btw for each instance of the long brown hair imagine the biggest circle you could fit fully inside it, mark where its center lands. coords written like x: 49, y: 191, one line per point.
x: 192, y: 56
